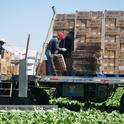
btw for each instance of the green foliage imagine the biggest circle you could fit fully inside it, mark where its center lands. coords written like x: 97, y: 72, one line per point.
x: 88, y: 113
x: 62, y: 116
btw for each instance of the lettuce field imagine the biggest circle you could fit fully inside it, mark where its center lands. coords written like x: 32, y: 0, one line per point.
x: 70, y: 112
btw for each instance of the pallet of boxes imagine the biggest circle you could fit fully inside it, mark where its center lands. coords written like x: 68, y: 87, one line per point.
x: 87, y: 45
x: 113, y: 58
x: 99, y: 41
x: 6, y: 66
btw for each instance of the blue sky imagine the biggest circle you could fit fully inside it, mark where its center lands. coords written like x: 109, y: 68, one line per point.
x: 21, y: 17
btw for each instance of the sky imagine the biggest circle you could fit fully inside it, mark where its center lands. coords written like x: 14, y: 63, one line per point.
x: 18, y: 18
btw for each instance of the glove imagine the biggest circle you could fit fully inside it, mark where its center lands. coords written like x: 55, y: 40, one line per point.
x: 64, y: 49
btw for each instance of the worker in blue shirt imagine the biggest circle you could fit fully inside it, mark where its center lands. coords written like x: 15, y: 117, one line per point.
x: 2, y: 42
x: 52, y: 47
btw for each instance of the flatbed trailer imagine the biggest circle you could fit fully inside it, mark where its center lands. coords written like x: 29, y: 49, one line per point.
x: 84, y: 88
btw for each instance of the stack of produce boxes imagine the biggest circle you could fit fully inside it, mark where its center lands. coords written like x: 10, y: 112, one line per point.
x: 103, y: 31
x: 7, y: 67
x: 87, y: 45
x: 5, y: 63
x: 112, y: 57
x: 120, y: 40
x: 64, y: 23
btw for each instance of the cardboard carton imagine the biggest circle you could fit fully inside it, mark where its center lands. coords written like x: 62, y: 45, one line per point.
x: 7, y: 56
x: 3, y: 66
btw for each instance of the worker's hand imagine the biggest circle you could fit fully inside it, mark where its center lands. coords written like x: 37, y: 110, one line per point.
x: 64, y: 49
x: 56, y: 52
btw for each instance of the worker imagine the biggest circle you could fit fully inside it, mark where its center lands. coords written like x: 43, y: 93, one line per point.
x: 2, y: 42
x: 52, y: 48
x: 67, y: 43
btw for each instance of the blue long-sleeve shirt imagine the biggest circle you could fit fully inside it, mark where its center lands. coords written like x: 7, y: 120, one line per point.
x: 53, y: 45
x: 1, y: 49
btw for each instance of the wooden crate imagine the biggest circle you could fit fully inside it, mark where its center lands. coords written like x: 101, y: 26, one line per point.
x: 92, y: 68
x: 96, y: 14
x: 120, y: 22
x: 121, y: 31
x: 69, y: 62
x: 61, y: 24
x: 122, y: 13
x: 7, y: 56
x: 88, y: 46
x: 110, y: 38
x: 3, y: 66
x: 69, y: 16
x: 81, y: 39
x: 121, y: 62
x: 113, y: 13
x: 109, y: 62
x: 109, y: 54
x: 110, y: 22
x: 83, y: 14
x: 110, y: 69
x: 85, y: 61
x: 81, y: 23
x: 95, y: 23
x: 59, y: 17
x: 112, y: 31
x: 120, y: 55
x: 111, y: 46
x: 42, y: 68
x: 93, y: 39
x: 121, y: 46
x: 81, y: 32
x: 59, y: 64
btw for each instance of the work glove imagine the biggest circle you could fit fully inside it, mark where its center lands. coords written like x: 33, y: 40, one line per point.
x: 64, y: 49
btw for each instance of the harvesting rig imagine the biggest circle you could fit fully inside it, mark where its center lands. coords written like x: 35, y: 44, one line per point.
x: 89, y: 78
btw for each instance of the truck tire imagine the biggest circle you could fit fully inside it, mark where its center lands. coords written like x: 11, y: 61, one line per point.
x: 122, y: 104
x: 39, y: 96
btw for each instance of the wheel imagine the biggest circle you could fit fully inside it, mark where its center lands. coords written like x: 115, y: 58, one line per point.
x: 15, y: 100
x: 4, y: 100
x: 122, y: 104
x: 39, y: 96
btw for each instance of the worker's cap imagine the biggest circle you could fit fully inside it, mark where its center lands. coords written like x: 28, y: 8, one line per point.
x: 2, y: 40
x: 60, y: 35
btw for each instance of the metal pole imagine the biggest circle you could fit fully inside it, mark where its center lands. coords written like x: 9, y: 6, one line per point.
x: 23, y: 78
x: 50, y: 31
x: 27, y: 46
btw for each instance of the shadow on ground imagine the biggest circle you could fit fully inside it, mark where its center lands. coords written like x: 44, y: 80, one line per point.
x: 86, y: 106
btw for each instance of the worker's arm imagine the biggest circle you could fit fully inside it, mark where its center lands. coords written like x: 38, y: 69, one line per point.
x: 1, y: 49
x: 58, y: 48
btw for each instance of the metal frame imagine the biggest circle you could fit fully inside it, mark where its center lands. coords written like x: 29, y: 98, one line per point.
x: 50, y: 31
x: 77, y: 79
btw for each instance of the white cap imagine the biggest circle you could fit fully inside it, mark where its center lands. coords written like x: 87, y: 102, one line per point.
x: 55, y: 35
x: 2, y: 40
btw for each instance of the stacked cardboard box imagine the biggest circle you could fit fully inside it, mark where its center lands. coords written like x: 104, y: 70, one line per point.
x: 86, y: 58
x: 5, y: 62
x: 103, y: 27
x: 7, y: 67
x: 88, y: 27
x: 87, y: 44
x: 64, y: 23
x: 42, y: 68
x: 113, y: 58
